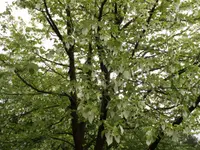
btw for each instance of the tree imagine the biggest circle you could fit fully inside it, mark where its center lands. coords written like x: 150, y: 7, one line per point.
x: 184, y: 143
x: 114, y: 71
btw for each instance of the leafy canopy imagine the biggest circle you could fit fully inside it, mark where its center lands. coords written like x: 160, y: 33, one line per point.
x: 99, y: 74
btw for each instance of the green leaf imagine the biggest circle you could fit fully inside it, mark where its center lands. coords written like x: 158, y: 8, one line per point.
x: 126, y: 114
x: 109, y: 138
x: 91, y: 117
x: 121, y: 129
x: 128, y: 68
x: 32, y: 68
x: 117, y: 138
x: 127, y: 74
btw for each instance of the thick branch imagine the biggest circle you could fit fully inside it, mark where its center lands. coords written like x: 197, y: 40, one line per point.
x: 51, y: 22
x: 69, y: 21
x: 128, y: 23
x: 100, y: 141
x: 53, y: 25
x: 78, y: 128
x: 155, y: 143
x: 101, y: 10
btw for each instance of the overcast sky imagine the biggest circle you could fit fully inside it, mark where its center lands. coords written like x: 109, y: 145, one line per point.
x: 22, y: 13
x: 3, y: 4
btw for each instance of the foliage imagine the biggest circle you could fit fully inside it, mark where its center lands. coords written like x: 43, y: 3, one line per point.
x: 184, y: 143
x: 114, y: 74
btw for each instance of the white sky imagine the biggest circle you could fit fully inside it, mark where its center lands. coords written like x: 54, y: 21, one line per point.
x: 3, y: 4
x: 22, y: 13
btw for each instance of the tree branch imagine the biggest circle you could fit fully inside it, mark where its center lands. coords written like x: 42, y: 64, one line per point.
x: 144, y: 30
x: 53, y: 25
x: 101, y: 10
x: 54, y: 71
x: 127, y: 24
x: 56, y: 63
x: 38, y: 90
x: 177, y: 121
x: 100, y: 141
x: 59, y: 139
x: 19, y: 94
x: 51, y: 22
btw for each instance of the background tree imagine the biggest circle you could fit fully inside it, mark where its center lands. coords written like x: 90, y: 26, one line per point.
x: 113, y: 71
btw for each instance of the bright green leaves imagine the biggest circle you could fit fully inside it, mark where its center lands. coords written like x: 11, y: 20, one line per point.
x: 50, y: 54
x: 151, y: 135
x: 89, y: 112
x: 126, y: 114
x: 127, y: 74
x: 114, y: 45
x: 3, y: 58
x: 172, y: 134
x: 32, y: 68
x: 87, y: 25
x: 121, y: 129
x: 146, y: 89
x: 112, y: 135
x: 109, y: 138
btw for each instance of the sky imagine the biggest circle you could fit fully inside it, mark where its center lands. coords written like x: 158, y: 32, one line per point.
x: 3, y: 4
x: 22, y: 13
x: 25, y: 16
